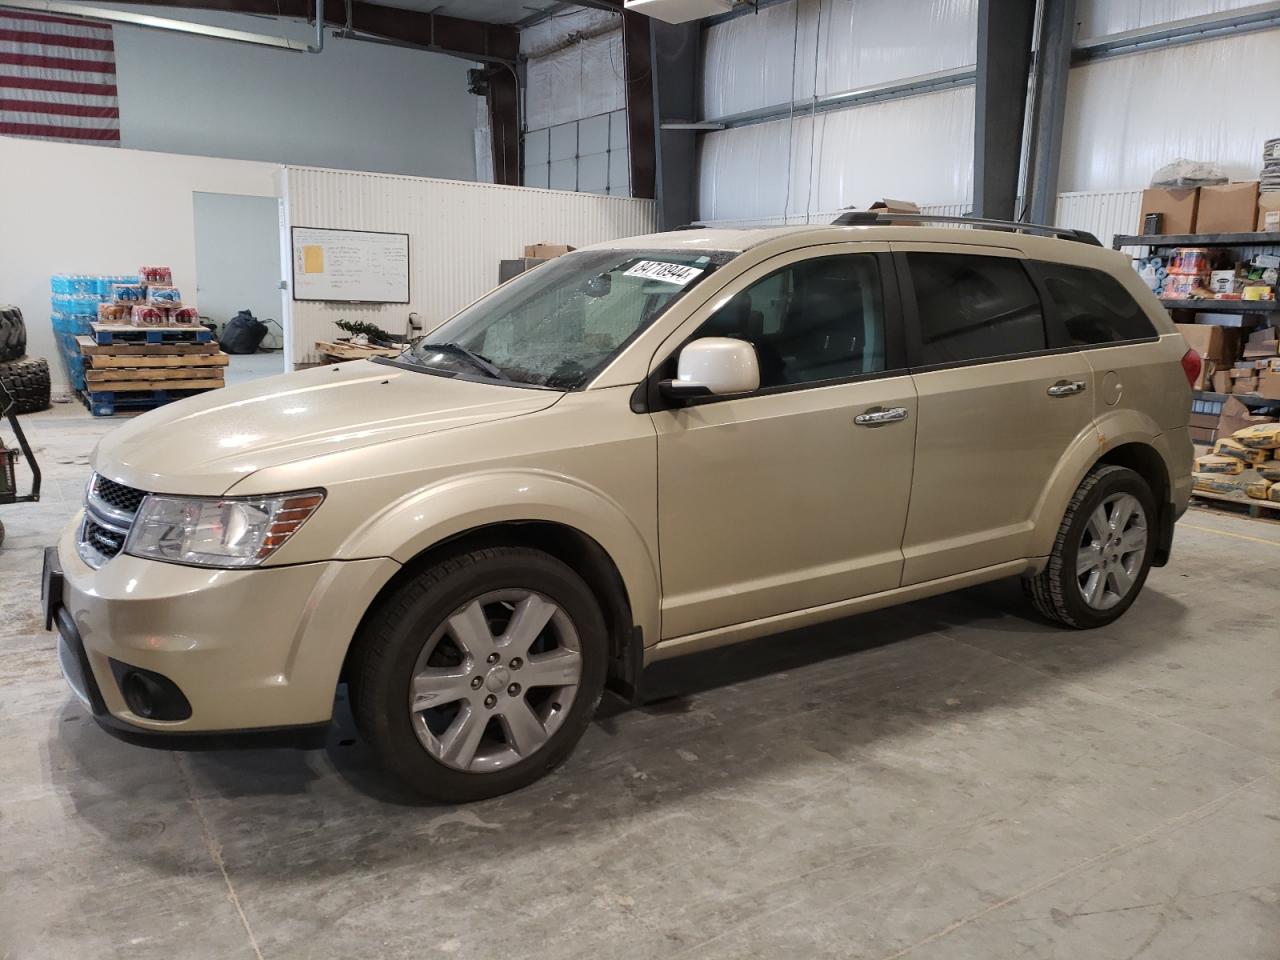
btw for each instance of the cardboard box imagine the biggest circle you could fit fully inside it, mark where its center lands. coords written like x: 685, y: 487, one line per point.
x: 1269, y: 211
x: 1206, y: 421
x: 1177, y: 207
x: 1269, y: 385
x: 513, y: 268
x: 1203, y: 435
x: 1236, y: 416
x: 1212, y: 342
x: 1228, y: 208
x: 886, y: 205
x: 1244, y: 385
x: 1221, y: 381
x: 546, y: 251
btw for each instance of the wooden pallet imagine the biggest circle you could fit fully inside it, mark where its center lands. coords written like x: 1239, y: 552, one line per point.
x: 341, y: 350
x: 105, y: 334
x: 89, y: 348
x: 1257, y: 508
x: 108, y: 403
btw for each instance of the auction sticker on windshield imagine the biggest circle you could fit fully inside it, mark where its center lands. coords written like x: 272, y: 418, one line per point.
x: 666, y: 272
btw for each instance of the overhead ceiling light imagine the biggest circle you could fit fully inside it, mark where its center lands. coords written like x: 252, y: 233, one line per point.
x: 679, y: 11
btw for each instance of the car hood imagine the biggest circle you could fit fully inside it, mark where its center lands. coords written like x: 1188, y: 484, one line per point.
x: 207, y: 443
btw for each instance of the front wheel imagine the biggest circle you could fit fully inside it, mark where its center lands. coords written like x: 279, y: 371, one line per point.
x: 1103, y: 551
x: 480, y: 674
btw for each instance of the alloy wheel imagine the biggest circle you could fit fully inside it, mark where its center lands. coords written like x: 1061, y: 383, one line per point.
x: 495, y: 680
x: 1111, y: 551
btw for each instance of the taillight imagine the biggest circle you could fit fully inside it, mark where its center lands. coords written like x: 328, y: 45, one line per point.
x: 1191, y: 366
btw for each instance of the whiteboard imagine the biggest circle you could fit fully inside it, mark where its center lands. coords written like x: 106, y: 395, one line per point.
x: 350, y: 266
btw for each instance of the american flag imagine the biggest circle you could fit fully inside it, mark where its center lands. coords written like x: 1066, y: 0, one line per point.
x: 57, y: 79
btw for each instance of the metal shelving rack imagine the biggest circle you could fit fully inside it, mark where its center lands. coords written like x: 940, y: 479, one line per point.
x: 1251, y: 239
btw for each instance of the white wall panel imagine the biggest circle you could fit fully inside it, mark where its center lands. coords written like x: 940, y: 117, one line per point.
x: 1100, y: 17
x: 768, y: 58
x: 1128, y: 116
x: 919, y: 148
x: 457, y: 234
x: 1104, y: 214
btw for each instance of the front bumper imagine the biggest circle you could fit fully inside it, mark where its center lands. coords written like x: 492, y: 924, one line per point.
x: 251, y: 650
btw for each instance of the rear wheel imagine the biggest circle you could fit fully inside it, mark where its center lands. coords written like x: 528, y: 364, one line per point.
x: 1103, y: 551
x: 479, y: 675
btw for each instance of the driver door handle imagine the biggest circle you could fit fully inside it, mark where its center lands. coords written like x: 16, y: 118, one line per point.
x: 1065, y: 388
x: 879, y: 416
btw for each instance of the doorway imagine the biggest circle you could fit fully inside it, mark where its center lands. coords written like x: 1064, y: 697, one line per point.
x: 238, y: 268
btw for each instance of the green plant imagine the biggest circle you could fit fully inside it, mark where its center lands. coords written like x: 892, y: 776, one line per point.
x: 370, y: 330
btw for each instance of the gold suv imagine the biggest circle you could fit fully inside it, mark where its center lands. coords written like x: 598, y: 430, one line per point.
x: 639, y: 450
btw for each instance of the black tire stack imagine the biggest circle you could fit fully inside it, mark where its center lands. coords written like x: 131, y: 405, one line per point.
x: 26, y: 378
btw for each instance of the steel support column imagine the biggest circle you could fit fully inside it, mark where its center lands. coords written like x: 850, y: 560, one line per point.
x: 1000, y: 102
x: 642, y: 121
x: 674, y: 70
x: 1049, y: 97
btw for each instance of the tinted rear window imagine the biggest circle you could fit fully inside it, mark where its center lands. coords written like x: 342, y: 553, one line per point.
x: 974, y: 307
x: 1093, y: 306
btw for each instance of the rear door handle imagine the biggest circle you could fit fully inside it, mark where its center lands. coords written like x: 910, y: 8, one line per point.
x: 1065, y: 388
x: 879, y: 416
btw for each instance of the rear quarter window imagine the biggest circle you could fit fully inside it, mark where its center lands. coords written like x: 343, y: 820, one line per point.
x: 1091, y: 306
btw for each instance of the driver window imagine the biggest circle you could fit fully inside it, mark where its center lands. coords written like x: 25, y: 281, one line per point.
x: 819, y: 319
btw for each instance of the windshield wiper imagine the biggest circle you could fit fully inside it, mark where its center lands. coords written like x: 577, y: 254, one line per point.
x: 470, y: 356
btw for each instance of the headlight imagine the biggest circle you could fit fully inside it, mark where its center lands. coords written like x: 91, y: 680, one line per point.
x: 225, y: 532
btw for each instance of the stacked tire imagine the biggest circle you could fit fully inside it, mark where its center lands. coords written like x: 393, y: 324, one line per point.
x: 26, y: 378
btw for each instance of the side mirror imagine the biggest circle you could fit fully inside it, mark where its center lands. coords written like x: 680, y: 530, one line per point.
x: 714, y: 367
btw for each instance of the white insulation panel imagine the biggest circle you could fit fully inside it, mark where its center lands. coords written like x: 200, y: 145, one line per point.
x: 1128, y: 116
x: 769, y: 57
x: 584, y: 79
x: 1098, y: 18
x: 458, y: 232
x: 919, y: 148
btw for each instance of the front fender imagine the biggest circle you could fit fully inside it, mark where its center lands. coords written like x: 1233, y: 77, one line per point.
x: 426, y: 517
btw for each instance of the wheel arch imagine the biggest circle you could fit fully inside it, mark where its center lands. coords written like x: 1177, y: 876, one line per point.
x: 568, y: 544
x: 1126, y: 438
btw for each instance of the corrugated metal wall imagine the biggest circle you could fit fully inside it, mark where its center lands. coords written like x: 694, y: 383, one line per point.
x: 1103, y: 214
x: 457, y: 234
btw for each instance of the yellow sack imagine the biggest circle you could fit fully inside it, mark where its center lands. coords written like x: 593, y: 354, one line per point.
x: 1260, y: 436
x: 1258, y: 489
x: 1229, y: 447
x: 1210, y: 463
x: 1217, y: 483
x: 1270, y: 471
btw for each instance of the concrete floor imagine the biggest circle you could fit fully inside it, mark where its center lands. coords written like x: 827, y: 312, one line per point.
x: 251, y: 366
x: 951, y: 779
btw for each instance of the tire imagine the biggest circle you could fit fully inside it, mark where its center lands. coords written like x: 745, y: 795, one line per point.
x: 1078, y: 566
x: 28, y: 381
x: 13, y: 333
x: 430, y: 627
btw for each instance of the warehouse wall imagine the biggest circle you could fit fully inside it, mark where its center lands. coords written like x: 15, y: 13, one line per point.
x: 357, y: 105
x: 1126, y: 116
x: 87, y: 209
x: 917, y: 148
x: 1130, y: 115
x: 457, y: 234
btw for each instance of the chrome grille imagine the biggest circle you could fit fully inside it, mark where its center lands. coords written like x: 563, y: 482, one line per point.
x: 116, y: 495
x: 109, y: 509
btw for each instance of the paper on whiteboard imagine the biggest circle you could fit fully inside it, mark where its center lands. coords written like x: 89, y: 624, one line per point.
x: 666, y: 272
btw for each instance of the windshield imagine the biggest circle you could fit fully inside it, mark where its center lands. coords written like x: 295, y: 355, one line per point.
x: 561, y: 322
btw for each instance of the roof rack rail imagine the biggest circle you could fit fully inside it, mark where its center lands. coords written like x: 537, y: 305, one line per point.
x: 869, y: 217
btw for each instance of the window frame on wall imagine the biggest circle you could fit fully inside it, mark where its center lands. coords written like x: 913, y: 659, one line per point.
x: 544, y: 150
